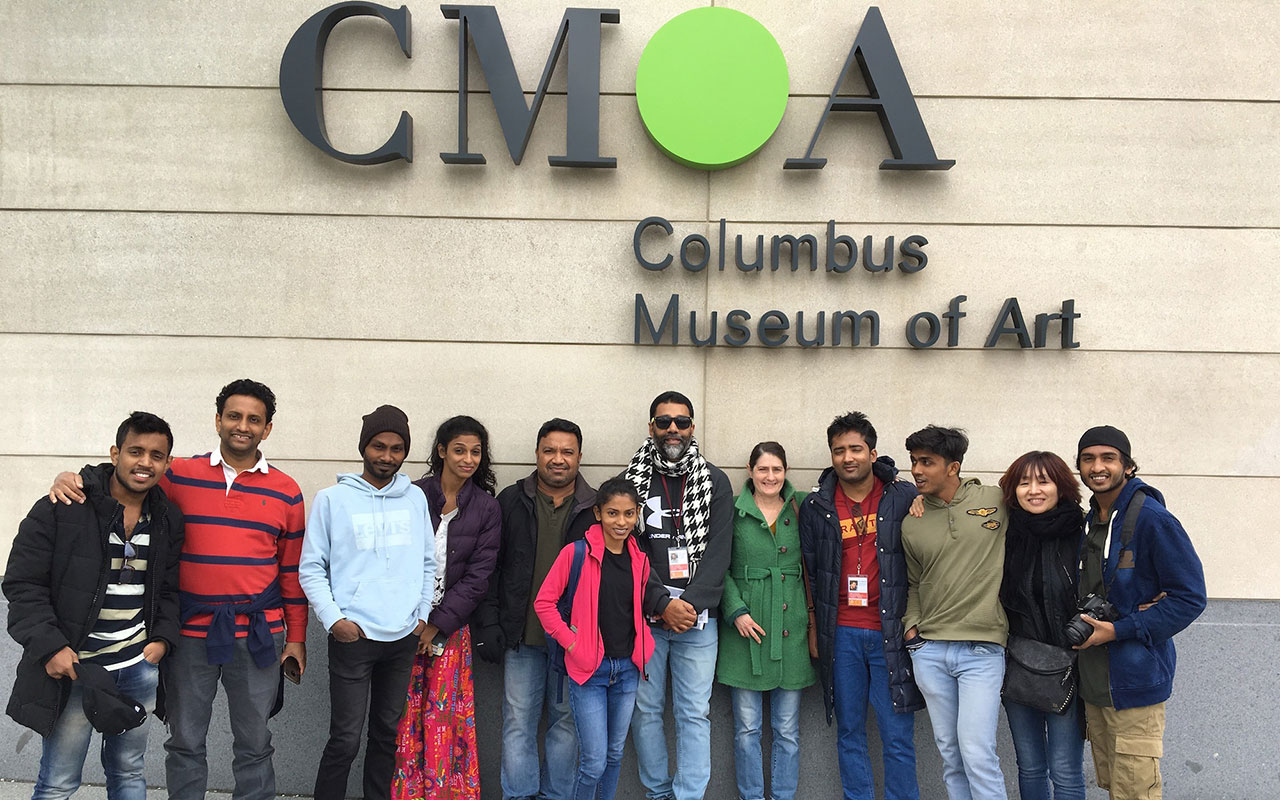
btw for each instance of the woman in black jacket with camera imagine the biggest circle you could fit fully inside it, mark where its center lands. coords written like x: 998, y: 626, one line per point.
x: 1039, y: 596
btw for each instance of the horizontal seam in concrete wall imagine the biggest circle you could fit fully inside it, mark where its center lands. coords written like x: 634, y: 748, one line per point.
x: 605, y: 93
x: 682, y: 345
x: 673, y: 220
x: 1235, y: 624
x: 619, y: 466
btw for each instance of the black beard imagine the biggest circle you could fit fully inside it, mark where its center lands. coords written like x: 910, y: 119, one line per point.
x: 118, y: 477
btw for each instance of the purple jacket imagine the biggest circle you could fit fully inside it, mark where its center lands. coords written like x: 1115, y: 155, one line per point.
x: 474, y: 536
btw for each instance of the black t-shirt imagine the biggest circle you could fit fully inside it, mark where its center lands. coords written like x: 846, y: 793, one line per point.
x: 663, y: 512
x: 616, y: 611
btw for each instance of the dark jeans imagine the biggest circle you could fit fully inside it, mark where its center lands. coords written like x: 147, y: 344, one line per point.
x: 364, y: 674
x: 251, y: 693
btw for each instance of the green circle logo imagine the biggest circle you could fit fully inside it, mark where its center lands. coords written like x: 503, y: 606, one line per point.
x: 711, y: 86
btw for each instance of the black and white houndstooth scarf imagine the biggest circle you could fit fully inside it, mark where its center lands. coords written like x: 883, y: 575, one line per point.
x: 696, y: 506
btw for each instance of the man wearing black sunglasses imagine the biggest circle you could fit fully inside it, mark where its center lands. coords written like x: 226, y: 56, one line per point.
x: 96, y: 583
x: 686, y: 527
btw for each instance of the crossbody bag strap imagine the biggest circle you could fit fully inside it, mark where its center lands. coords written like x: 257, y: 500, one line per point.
x: 1131, y: 519
x: 1126, y: 533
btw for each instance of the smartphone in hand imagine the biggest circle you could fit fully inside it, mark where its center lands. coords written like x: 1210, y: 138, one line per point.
x: 292, y: 670
x: 437, y: 645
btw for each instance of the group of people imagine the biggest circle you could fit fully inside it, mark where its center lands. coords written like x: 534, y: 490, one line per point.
x: 936, y: 593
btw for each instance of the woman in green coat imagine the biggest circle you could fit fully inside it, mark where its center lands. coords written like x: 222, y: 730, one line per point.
x: 764, y: 646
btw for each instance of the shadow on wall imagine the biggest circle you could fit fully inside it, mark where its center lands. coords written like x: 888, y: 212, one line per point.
x: 1219, y: 745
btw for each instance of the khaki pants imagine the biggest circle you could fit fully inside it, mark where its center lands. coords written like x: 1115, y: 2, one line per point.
x: 1127, y: 746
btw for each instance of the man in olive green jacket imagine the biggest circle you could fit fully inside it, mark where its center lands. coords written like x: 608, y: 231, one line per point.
x: 956, y: 628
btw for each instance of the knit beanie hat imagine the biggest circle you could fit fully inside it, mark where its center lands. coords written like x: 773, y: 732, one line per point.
x: 384, y: 419
x: 1106, y: 436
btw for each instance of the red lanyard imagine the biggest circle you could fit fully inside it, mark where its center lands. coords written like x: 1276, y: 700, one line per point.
x: 677, y: 511
x: 861, y: 529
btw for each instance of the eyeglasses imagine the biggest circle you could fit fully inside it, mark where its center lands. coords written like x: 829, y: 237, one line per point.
x: 663, y: 422
x: 127, y: 570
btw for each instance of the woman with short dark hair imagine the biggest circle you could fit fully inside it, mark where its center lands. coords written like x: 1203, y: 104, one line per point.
x: 1042, y: 545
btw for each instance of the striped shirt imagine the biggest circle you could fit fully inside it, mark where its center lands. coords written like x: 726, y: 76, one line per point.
x: 120, y: 632
x: 239, y: 539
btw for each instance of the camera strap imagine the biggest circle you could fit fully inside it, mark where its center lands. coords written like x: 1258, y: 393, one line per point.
x: 1126, y: 533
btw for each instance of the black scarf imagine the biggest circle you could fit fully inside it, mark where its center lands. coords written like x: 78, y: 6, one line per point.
x: 1040, y: 554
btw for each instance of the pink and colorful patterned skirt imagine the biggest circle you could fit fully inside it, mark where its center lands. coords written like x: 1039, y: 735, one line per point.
x: 436, y: 745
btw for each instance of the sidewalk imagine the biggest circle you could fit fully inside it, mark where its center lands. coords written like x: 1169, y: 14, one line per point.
x: 21, y: 790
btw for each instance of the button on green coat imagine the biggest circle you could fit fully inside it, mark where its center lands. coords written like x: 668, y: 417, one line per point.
x: 765, y: 579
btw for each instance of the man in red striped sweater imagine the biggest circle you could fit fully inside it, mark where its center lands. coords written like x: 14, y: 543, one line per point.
x: 243, y: 611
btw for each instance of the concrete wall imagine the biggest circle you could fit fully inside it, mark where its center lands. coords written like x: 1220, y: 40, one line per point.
x: 167, y: 230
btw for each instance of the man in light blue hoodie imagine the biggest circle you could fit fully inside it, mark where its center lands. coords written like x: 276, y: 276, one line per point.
x: 368, y: 568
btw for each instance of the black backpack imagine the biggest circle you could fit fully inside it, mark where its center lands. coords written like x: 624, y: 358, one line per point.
x: 555, y: 653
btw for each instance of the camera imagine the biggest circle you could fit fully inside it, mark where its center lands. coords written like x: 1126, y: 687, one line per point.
x: 1077, y: 631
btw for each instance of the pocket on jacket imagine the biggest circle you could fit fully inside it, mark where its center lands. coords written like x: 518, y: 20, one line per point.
x: 1137, y: 665
x: 377, y: 600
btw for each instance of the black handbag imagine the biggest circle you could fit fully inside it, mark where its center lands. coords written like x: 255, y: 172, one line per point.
x: 1038, y: 675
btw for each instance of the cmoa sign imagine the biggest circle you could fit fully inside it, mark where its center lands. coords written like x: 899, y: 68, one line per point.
x: 711, y: 88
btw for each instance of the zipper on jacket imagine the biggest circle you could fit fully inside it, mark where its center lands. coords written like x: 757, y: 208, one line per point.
x: 644, y: 658
x: 152, y: 575
x: 103, y: 579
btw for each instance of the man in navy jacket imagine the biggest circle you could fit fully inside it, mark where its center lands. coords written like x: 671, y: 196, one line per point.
x: 851, y: 538
x: 1126, y: 664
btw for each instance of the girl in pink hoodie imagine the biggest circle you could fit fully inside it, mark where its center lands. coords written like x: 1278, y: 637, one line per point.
x: 606, y: 638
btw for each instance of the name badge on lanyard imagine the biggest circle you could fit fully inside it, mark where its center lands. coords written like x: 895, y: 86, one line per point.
x: 858, y: 594
x: 678, y: 563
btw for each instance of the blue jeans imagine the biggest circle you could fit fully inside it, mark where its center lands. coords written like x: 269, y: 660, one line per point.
x: 690, y: 657
x: 62, y: 756
x: 784, y: 713
x: 528, y: 685
x: 961, y: 683
x: 1049, y: 747
x: 860, y: 675
x: 602, y: 711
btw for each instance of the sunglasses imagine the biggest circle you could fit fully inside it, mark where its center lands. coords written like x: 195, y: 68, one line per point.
x: 663, y: 422
x: 127, y: 570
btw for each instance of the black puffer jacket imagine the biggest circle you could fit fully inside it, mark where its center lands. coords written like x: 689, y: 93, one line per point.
x: 498, y: 623
x: 56, y: 582
x: 821, y: 543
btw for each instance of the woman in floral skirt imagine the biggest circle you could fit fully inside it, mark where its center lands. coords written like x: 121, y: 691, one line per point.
x: 436, y: 745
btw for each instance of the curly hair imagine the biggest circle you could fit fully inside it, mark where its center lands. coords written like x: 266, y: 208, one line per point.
x: 462, y: 425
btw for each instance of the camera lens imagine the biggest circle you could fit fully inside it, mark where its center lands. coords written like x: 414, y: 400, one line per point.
x: 1077, y: 631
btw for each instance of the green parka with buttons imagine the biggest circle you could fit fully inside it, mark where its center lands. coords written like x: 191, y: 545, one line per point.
x: 766, y: 580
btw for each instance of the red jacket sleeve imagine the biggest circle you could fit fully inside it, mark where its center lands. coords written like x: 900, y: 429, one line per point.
x: 288, y: 553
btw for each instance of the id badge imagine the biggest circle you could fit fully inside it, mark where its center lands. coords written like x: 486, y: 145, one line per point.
x: 858, y: 590
x: 678, y: 563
